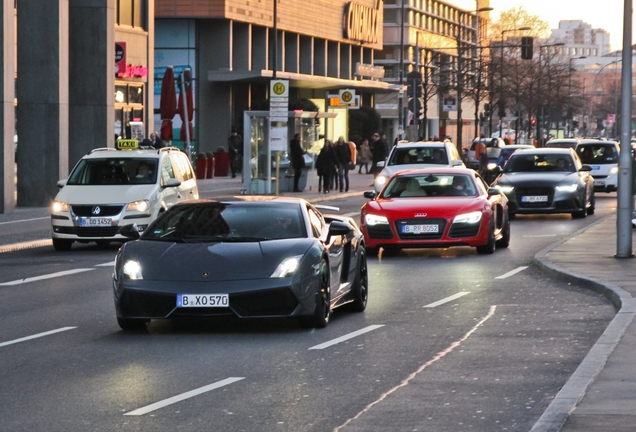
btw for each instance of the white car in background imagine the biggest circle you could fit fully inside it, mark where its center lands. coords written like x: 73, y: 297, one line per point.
x: 602, y: 156
x: 407, y: 155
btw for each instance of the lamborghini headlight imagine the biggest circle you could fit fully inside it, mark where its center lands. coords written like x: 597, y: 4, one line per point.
x: 132, y: 269
x: 567, y: 188
x: 59, y: 206
x: 471, y: 218
x: 372, y: 219
x: 140, y: 206
x: 287, y: 267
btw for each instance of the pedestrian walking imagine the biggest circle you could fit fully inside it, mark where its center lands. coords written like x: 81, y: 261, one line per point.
x: 297, y: 159
x: 343, y: 156
x: 365, y: 156
x: 235, y: 149
x: 378, y: 152
x: 325, y: 163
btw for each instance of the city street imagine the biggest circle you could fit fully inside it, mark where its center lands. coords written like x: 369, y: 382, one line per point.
x: 450, y: 341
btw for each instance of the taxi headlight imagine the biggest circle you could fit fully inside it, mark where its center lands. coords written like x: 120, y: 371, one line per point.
x: 471, y: 218
x: 140, y: 206
x: 567, y: 188
x: 372, y: 219
x: 380, y: 180
x: 506, y: 189
x: 59, y: 206
x: 287, y: 267
x: 613, y: 170
x: 132, y: 269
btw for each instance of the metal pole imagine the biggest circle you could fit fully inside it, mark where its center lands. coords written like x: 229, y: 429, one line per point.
x: 185, y: 113
x: 501, y: 107
x: 460, y: 83
x: 625, y: 177
x: 275, y: 38
x: 401, y: 75
x: 540, y: 113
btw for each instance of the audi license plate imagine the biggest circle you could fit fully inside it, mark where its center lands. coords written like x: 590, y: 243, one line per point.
x: 203, y: 300
x: 420, y: 229
x: 534, y: 198
x: 95, y: 222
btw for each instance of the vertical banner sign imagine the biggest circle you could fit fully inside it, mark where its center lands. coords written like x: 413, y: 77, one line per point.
x: 120, y: 57
x: 278, y: 108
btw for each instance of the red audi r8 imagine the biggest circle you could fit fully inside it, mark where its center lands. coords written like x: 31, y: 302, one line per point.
x: 435, y: 207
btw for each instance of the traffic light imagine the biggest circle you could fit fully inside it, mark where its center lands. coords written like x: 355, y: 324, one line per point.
x: 414, y: 83
x: 526, y: 47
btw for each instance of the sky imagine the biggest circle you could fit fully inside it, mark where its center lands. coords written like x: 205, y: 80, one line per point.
x: 606, y: 14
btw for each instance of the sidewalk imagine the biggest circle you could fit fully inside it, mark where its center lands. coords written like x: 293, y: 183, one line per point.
x: 601, y: 394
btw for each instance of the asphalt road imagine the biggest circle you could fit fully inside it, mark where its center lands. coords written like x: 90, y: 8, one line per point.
x: 450, y: 341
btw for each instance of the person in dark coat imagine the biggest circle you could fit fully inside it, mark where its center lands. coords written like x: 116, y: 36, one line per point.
x: 297, y: 159
x: 343, y: 155
x: 325, y: 164
x: 234, y: 148
x: 379, y: 151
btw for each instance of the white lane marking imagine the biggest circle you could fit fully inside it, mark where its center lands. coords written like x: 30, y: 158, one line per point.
x: 346, y: 337
x: 412, y: 376
x: 35, y: 336
x: 539, y: 235
x: 157, y: 405
x: 26, y: 245
x: 46, y: 276
x: 24, y: 220
x: 447, y: 299
x: 352, y: 214
x: 112, y: 263
x: 512, y: 272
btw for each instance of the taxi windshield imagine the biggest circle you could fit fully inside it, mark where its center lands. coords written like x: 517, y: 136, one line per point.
x: 114, y: 171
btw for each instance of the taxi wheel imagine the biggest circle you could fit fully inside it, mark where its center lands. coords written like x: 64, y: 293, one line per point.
x: 61, y: 244
x: 133, y: 324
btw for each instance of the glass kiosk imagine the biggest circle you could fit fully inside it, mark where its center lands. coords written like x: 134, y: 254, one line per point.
x: 259, y: 161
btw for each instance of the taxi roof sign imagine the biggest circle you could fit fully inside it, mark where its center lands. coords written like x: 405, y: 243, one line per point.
x: 127, y: 144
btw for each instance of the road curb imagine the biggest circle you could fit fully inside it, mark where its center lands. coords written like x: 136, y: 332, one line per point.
x: 566, y: 400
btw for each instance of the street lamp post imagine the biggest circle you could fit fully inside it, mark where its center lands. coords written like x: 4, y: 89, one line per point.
x: 540, y: 113
x: 501, y: 106
x: 570, y: 91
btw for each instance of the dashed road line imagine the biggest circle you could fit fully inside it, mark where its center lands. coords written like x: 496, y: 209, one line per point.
x: 512, y: 272
x: 447, y: 299
x: 35, y: 336
x: 46, y: 276
x: 346, y: 337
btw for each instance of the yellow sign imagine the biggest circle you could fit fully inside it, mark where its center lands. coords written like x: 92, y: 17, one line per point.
x: 127, y: 144
x: 279, y: 89
x: 346, y: 97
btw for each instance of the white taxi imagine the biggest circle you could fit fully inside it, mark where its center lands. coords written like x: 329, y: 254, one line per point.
x: 110, y: 188
x: 407, y: 155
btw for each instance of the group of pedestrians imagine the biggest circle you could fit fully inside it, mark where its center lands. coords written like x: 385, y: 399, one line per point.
x: 337, y: 158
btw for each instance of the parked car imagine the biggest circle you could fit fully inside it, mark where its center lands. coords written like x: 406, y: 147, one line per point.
x: 420, y: 154
x: 435, y: 207
x: 602, y: 156
x: 106, y: 190
x: 272, y: 257
x: 547, y: 180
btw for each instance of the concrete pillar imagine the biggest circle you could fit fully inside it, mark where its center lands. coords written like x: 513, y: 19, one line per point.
x: 91, y: 76
x: 7, y: 110
x: 43, y: 99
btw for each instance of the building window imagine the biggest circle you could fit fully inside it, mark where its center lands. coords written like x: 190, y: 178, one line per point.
x: 131, y: 13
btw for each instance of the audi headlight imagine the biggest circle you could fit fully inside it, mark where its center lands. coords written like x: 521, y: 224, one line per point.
x: 287, y: 267
x: 372, y: 219
x: 132, y: 269
x: 471, y: 218
x: 506, y: 189
x: 381, y: 180
x: 59, y: 206
x: 140, y: 206
x: 567, y: 188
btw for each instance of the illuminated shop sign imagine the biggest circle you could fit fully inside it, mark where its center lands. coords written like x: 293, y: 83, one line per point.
x: 133, y: 71
x: 362, y: 23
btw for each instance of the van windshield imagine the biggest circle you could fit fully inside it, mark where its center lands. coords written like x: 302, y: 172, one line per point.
x: 114, y: 171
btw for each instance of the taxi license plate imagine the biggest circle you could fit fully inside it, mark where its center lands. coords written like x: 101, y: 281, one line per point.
x: 420, y: 229
x: 599, y: 183
x: 534, y: 198
x: 203, y: 300
x: 95, y: 222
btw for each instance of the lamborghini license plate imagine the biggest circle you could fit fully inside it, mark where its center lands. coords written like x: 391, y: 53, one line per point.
x: 203, y: 300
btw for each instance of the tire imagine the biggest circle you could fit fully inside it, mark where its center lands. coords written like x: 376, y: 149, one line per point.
x: 489, y: 247
x: 580, y: 214
x: 322, y: 312
x: 360, y: 289
x: 592, y: 208
x: 504, y: 241
x: 61, y: 245
x: 133, y: 324
x: 372, y: 251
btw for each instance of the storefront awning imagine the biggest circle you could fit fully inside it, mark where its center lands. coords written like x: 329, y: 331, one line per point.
x: 300, y: 80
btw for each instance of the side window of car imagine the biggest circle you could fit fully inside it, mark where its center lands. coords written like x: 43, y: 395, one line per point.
x: 316, y: 222
x: 185, y: 172
x: 167, y: 171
